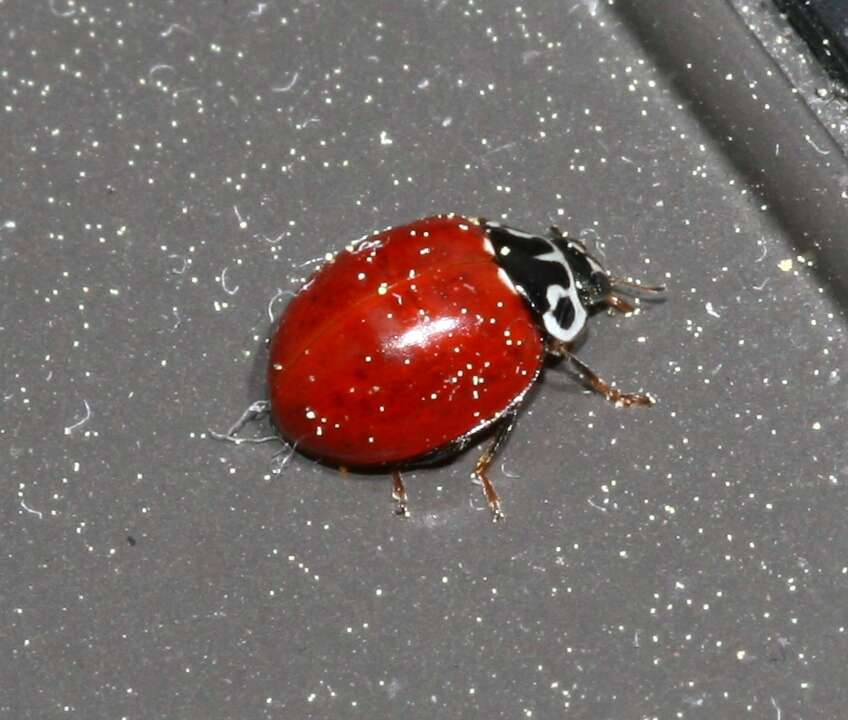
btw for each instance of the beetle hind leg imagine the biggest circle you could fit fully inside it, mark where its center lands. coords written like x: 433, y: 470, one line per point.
x: 481, y: 469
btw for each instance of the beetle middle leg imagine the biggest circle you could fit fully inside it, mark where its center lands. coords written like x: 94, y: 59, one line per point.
x: 481, y: 469
x: 590, y: 377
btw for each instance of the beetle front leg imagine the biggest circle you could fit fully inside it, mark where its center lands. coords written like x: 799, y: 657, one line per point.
x: 614, y: 395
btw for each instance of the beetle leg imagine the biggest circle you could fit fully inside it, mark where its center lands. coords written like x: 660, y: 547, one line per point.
x: 614, y: 395
x: 620, y: 304
x: 481, y: 469
x: 256, y: 411
x: 399, y: 495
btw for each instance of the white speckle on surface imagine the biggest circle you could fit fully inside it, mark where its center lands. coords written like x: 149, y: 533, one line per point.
x: 79, y: 423
x: 241, y: 221
x: 287, y: 86
x: 785, y: 265
x: 711, y: 310
x: 812, y: 144
x: 31, y: 511
x: 385, y: 139
x: 69, y: 10
x: 229, y: 291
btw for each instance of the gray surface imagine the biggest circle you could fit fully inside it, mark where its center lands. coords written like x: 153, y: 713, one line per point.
x: 796, y: 61
x: 685, y: 561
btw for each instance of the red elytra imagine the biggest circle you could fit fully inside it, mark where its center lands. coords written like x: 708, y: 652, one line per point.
x: 410, y: 343
x: 401, y: 347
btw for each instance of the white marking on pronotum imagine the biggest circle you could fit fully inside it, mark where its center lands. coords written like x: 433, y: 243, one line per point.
x: 555, y: 255
x: 70, y: 428
x: 554, y: 295
x: 557, y: 291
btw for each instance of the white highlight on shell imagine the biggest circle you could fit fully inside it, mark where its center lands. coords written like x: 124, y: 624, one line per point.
x: 506, y: 280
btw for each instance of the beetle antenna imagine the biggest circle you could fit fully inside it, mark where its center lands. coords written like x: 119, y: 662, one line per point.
x: 617, y: 282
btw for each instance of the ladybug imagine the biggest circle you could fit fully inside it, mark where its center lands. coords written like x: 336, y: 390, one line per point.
x: 412, y: 342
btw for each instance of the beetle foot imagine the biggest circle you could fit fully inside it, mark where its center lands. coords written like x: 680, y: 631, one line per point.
x: 497, y: 513
x: 479, y: 477
x: 620, y: 399
x: 399, y: 495
x: 401, y: 506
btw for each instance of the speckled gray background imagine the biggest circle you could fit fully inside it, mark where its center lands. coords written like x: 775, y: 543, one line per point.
x: 168, y: 168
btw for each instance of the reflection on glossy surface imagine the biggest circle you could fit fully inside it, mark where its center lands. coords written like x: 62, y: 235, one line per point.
x: 425, y: 334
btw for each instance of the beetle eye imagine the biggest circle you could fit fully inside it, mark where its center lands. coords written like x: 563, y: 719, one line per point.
x: 601, y: 284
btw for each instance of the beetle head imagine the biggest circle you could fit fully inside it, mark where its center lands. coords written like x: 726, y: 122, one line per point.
x: 595, y: 286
